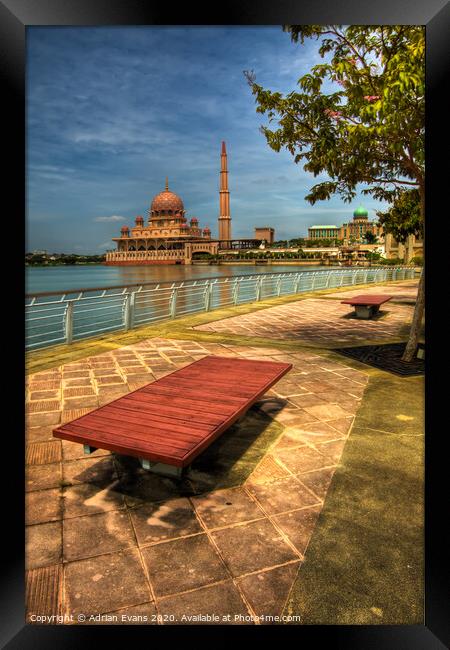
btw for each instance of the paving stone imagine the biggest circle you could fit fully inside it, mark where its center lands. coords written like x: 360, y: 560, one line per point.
x: 110, y: 372
x: 72, y: 414
x: 39, y: 434
x: 318, y: 481
x: 43, y: 589
x: 78, y: 381
x: 97, y: 533
x: 105, y: 583
x: 78, y: 391
x: 253, y: 546
x: 292, y: 437
x: 183, y: 564
x: 44, y: 385
x: 72, y: 374
x: 43, y: 545
x: 43, y: 505
x: 225, y: 507
x: 45, y: 395
x: 331, y: 449
x: 72, y: 403
x: 157, y: 522
x: 74, y: 450
x: 327, y: 411
x: 88, y: 498
x: 222, y: 601
x: 284, y: 494
x: 39, y: 453
x: 307, y: 434
x: 143, y: 614
x: 139, y: 486
x: 299, y: 525
x: 303, y: 459
x: 100, y: 471
x: 308, y: 399
x: 342, y: 425
x: 267, y: 471
x: 40, y: 477
x: 267, y: 591
x: 42, y: 419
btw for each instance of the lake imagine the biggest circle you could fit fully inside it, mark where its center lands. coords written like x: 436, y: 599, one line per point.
x: 63, y: 278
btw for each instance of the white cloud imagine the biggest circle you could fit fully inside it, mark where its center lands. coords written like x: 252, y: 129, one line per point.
x: 114, y: 217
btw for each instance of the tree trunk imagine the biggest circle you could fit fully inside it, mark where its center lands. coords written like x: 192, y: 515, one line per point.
x: 411, y: 345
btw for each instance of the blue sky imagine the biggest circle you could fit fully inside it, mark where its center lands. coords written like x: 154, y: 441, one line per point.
x: 112, y: 111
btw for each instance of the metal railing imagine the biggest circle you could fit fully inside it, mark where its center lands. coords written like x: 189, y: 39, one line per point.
x: 53, y: 318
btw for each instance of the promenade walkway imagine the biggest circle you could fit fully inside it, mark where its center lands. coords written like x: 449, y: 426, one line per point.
x: 104, y: 537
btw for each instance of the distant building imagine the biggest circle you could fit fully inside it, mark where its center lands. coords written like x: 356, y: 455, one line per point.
x: 323, y: 232
x: 357, y: 228
x: 354, y: 230
x: 265, y: 232
x: 413, y: 247
x: 167, y: 237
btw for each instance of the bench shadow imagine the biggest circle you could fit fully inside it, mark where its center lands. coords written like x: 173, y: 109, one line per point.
x: 227, y: 462
x: 352, y: 316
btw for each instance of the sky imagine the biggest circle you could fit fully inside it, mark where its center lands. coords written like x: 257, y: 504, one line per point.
x: 112, y: 111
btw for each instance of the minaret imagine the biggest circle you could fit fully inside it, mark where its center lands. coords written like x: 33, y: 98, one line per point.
x: 224, y: 198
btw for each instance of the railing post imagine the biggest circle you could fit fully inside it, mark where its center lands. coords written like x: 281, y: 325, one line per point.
x: 208, y: 291
x: 258, y: 289
x: 342, y: 278
x: 327, y: 284
x: 278, y: 286
x: 69, y: 322
x: 126, y: 312
x: 296, y: 284
x: 131, y: 309
x: 173, y: 302
x: 313, y: 281
x: 355, y: 273
x: 236, y: 292
x: 365, y: 277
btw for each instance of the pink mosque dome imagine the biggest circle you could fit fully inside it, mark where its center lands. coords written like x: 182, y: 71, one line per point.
x: 167, y: 200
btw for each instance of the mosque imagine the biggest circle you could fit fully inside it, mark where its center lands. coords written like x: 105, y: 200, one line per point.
x: 168, y: 237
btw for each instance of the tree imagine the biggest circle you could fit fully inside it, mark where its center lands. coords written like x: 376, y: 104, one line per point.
x: 370, y: 237
x: 358, y: 117
x: 403, y: 218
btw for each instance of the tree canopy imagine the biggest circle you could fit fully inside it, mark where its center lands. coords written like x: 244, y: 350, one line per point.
x: 403, y: 218
x: 358, y: 116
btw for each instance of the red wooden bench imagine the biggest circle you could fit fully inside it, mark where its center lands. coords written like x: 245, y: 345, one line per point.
x: 366, y: 306
x: 167, y: 423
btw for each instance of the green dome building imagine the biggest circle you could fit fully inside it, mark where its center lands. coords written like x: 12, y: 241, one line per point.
x: 360, y: 213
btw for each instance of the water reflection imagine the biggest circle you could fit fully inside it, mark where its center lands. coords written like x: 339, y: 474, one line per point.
x: 62, y: 278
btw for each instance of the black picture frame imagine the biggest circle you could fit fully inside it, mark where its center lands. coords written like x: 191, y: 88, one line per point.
x: 15, y: 17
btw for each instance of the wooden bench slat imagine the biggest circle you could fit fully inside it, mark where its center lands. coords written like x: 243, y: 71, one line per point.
x: 159, y: 439
x: 119, y: 423
x: 230, y: 389
x: 127, y: 446
x: 157, y: 420
x: 199, y: 394
x: 142, y: 405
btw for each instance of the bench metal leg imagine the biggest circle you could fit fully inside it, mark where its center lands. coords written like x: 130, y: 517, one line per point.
x: 162, y: 469
x: 88, y: 449
x: 364, y: 312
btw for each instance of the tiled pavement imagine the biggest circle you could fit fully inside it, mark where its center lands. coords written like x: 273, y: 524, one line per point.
x: 105, y: 536
x: 325, y: 321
